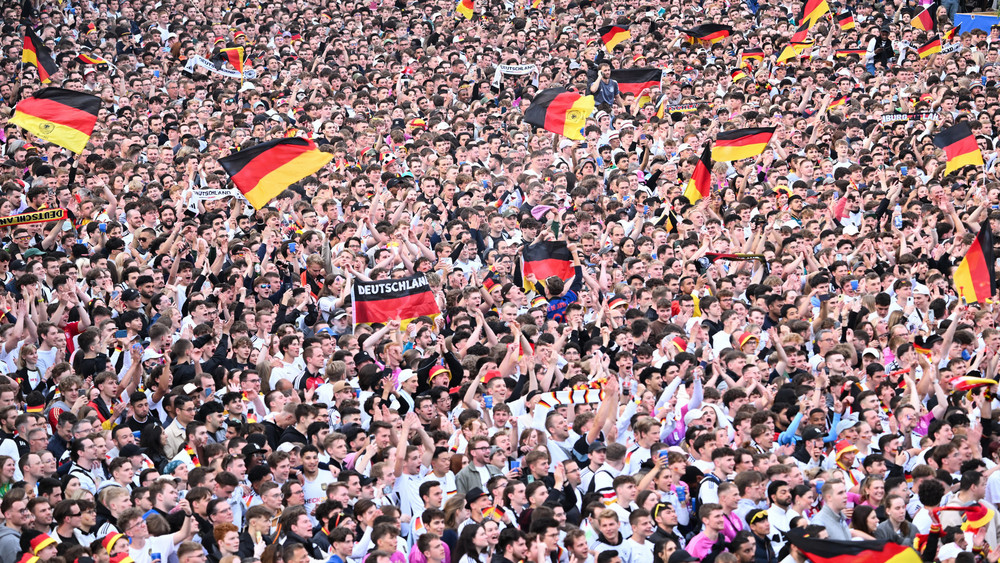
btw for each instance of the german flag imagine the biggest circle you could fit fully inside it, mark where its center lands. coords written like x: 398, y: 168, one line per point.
x: 965, y: 382
x: 814, y: 10
x: 668, y: 221
x: 234, y: 56
x: 386, y: 300
x: 924, y: 20
x: 845, y: 21
x: 265, y: 170
x: 37, y: 55
x: 755, y: 55
x: 960, y: 147
x: 975, y: 278
x: 612, y: 35
x: 635, y: 80
x: 929, y: 49
x: 833, y: 551
x: 738, y: 75
x: 951, y: 33
x: 465, y: 7
x: 792, y: 50
x: 844, y: 53
x: 560, y: 111
x: 89, y: 59
x: 839, y: 101
x: 547, y: 259
x: 709, y: 32
x: 62, y: 117
x: 801, y: 33
x: 701, y: 179
x: 741, y: 143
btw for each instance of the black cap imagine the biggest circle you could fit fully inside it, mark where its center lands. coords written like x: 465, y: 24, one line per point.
x: 129, y: 450
x: 130, y: 294
x: 251, y: 449
x: 473, y: 495
x: 362, y: 357
x: 681, y: 556
x: 813, y: 433
x: 597, y: 446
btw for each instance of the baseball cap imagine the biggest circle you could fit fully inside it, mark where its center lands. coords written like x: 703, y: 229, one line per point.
x: 341, y: 386
x: 681, y: 556
x: 813, y: 433
x: 597, y: 446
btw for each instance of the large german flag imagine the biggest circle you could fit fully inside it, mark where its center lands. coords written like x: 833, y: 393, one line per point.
x: 265, y: 170
x: 832, y: 551
x: 234, y: 56
x: 37, y: 55
x: 741, y: 143
x: 814, y: 10
x: 801, y: 33
x: 466, y: 8
x: 960, y: 147
x: 635, y: 80
x: 386, y: 300
x: 612, y: 35
x: 934, y: 46
x: 62, y: 117
x: 845, y: 21
x: 546, y: 259
x: 975, y: 278
x: 924, y: 20
x: 701, y: 179
x: 560, y: 111
x: 709, y: 32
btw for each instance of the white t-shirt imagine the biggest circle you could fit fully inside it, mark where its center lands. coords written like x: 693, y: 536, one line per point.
x: 315, y: 492
x: 408, y: 489
x: 164, y: 545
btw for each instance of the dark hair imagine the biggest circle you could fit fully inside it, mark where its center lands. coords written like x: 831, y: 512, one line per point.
x: 465, y: 545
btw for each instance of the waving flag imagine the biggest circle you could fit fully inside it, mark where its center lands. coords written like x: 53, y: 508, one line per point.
x: 801, y: 33
x: 839, y: 101
x: 755, y: 55
x: 965, y: 383
x: 62, y: 117
x: 635, y: 80
x: 845, y: 21
x: 386, y: 300
x: 235, y: 56
x: 612, y: 35
x: 960, y: 147
x: 924, y: 20
x: 709, y: 32
x: 37, y: 55
x: 560, y: 111
x: 934, y: 46
x: 87, y: 58
x: 738, y: 144
x: 465, y: 7
x: 814, y: 10
x: 976, y: 279
x: 843, y: 53
x: 738, y: 75
x: 701, y: 179
x: 263, y: 171
x: 872, y: 551
x: 951, y: 33
x: 546, y: 259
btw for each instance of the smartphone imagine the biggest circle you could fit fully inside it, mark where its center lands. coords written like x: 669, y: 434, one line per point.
x: 825, y: 297
x: 121, y: 333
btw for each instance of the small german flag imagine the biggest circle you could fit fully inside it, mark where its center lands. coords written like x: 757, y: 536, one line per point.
x: 924, y: 20
x: 965, y: 382
x: 234, y: 56
x: 709, y: 32
x: 738, y: 144
x: 465, y: 7
x: 37, y: 55
x: 738, y: 75
x: 839, y: 101
x: 870, y: 551
x: 62, y: 117
x: 89, y: 59
x: 814, y: 10
x: 560, y: 111
x: 535, y: 4
x: 845, y: 21
x: 975, y: 278
x: 934, y: 46
x: 801, y: 33
x: 635, y: 80
x: 755, y: 55
x: 668, y: 221
x: 960, y: 147
x: 612, y: 35
x: 951, y: 33
x: 701, y: 179
x: 843, y: 53
x: 265, y: 170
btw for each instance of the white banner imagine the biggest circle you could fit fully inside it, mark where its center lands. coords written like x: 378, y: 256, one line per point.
x: 208, y: 194
x: 248, y: 73
x: 516, y: 70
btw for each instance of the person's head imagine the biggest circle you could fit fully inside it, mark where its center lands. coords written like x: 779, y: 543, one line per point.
x: 431, y: 547
x: 834, y: 495
x: 712, y: 516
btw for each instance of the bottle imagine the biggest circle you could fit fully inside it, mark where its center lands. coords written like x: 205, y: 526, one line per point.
x: 897, y: 217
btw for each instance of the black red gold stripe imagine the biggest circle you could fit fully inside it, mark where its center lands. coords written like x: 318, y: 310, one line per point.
x: 546, y: 259
x: 738, y: 144
x: 37, y: 55
x: 63, y: 117
x: 635, y: 80
x: 960, y: 147
x: 709, y: 32
x: 560, y: 111
x: 265, y: 170
x: 701, y: 179
x: 612, y: 35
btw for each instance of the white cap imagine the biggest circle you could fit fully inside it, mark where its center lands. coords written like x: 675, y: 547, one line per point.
x: 873, y: 352
x: 406, y: 375
x: 692, y: 415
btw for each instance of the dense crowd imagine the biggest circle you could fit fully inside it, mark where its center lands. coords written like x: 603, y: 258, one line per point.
x: 786, y: 358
